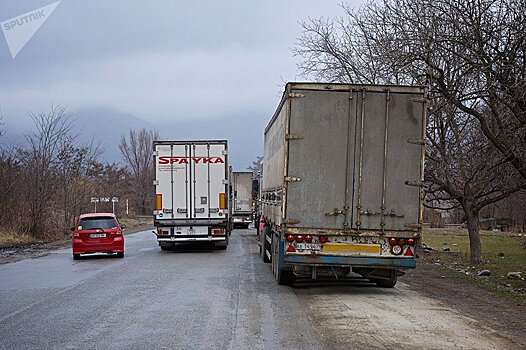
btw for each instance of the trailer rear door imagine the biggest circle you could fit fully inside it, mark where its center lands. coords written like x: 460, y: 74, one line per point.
x: 354, y: 158
x: 191, y: 180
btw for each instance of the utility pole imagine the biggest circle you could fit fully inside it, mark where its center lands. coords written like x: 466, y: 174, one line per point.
x: 113, y: 201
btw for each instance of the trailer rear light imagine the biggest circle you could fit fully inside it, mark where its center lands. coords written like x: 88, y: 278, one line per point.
x: 323, y: 239
x: 411, y: 242
x: 396, y: 250
x: 290, y: 238
x: 393, y: 241
x: 299, y: 238
x: 308, y: 238
x: 158, y: 201
x: 218, y: 231
x: 401, y: 242
x: 408, y: 252
x: 162, y: 232
x: 291, y: 249
x: 222, y: 201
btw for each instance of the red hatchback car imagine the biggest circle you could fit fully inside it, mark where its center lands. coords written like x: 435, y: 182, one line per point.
x: 98, y: 233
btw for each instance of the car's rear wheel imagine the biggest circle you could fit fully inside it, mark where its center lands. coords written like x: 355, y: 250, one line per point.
x: 120, y: 255
x: 76, y: 256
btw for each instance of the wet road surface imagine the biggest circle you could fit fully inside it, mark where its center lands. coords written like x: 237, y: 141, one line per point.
x: 210, y: 299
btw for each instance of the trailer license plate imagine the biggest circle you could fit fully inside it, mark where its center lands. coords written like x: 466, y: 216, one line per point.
x: 308, y: 246
x: 97, y: 235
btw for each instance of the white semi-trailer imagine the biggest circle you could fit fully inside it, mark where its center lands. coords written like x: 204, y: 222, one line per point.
x: 342, y: 181
x: 242, y: 198
x: 191, y: 192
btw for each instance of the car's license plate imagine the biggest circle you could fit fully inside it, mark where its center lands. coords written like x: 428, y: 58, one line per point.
x: 97, y: 235
x: 308, y: 246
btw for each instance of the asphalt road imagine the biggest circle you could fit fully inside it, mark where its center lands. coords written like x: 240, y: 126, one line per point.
x: 210, y: 299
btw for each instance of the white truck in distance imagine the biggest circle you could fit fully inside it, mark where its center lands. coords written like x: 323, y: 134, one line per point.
x: 242, y: 198
x: 191, y: 192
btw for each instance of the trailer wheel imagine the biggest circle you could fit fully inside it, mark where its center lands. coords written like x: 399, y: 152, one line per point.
x: 265, y: 245
x: 387, y: 283
x: 285, y: 277
x: 223, y: 246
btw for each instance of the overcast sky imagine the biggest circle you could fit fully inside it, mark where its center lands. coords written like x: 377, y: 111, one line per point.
x: 165, y: 62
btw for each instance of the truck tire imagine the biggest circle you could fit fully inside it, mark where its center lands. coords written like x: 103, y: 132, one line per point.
x: 387, y: 283
x: 265, y: 245
x: 223, y: 246
x: 285, y: 277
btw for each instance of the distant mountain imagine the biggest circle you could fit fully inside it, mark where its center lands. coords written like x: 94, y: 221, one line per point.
x: 105, y: 126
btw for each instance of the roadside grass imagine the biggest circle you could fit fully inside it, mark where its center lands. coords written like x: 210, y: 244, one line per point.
x: 133, y: 223
x: 14, y: 239
x: 457, y: 260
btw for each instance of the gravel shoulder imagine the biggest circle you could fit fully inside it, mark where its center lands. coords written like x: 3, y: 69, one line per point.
x: 488, y: 312
x: 12, y: 254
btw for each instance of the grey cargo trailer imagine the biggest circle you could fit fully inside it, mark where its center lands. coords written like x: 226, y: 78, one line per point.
x: 242, y: 198
x: 342, y: 184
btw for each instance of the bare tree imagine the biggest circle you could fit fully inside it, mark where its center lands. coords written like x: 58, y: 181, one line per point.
x: 256, y: 168
x: 137, y: 151
x: 73, y: 163
x: 471, y: 55
x: 40, y: 163
x: 464, y: 170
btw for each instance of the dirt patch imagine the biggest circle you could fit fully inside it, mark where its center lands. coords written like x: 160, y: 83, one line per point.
x: 487, y: 309
x: 12, y: 254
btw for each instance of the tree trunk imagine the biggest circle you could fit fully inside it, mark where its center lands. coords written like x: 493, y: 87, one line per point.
x: 475, y: 246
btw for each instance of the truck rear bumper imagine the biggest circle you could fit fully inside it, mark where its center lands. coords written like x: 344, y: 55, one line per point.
x: 192, y: 222
x: 190, y: 239
x: 368, y: 262
x: 244, y: 219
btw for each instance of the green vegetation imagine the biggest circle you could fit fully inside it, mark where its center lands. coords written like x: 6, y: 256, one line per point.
x: 510, y: 246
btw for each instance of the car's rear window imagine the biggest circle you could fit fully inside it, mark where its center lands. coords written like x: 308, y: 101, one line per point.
x: 99, y: 222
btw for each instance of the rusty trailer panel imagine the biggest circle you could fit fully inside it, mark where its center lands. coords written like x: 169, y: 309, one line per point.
x: 342, y: 158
